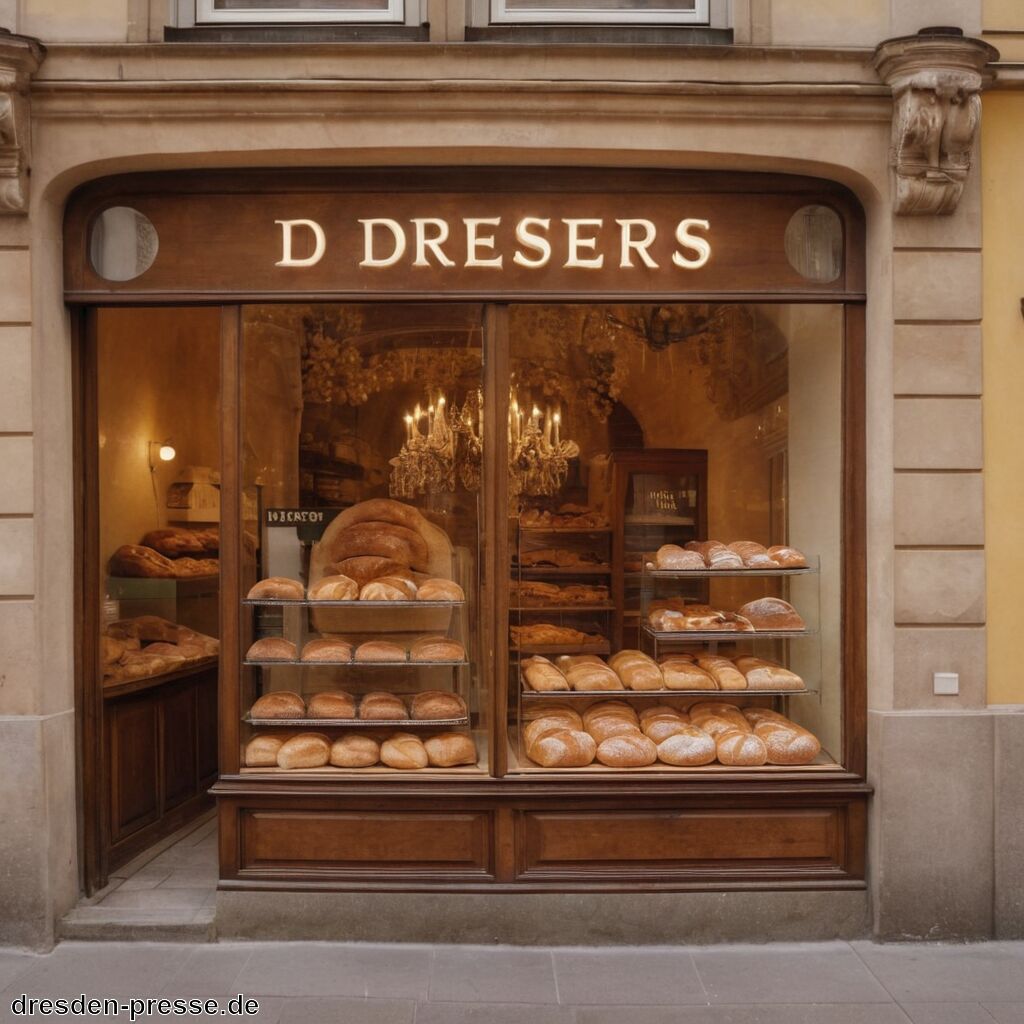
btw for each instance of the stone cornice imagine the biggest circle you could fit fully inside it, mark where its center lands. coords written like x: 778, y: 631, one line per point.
x: 20, y: 57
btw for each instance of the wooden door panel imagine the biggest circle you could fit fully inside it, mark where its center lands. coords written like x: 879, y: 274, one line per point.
x: 206, y: 727
x: 178, y: 745
x: 134, y: 766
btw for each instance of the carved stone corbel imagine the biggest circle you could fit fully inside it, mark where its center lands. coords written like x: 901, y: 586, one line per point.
x: 20, y: 56
x: 936, y: 79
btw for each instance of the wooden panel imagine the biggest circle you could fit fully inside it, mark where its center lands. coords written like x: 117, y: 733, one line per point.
x: 178, y: 744
x: 206, y: 728
x: 134, y: 765
x: 384, y: 843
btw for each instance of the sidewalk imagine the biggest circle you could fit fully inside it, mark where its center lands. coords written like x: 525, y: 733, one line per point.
x: 315, y: 983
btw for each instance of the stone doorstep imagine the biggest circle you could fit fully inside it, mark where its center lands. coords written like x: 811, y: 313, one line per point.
x: 97, y: 924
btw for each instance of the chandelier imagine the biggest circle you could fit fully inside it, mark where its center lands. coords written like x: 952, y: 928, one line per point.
x: 538, y: 458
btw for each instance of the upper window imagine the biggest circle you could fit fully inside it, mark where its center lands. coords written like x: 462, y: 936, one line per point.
x: 634, y: 12
x: 248, y: 11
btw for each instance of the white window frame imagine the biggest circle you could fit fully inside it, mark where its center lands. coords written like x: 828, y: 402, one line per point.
x: 394, y: 14
x: 501, y: 15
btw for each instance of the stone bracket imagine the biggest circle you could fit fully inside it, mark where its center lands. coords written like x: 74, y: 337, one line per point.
x: 20, y: 56
x: 936, y: 78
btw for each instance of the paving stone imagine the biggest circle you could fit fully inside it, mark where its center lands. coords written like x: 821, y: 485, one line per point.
x: 211, y: 970
x: 303, y: 969
x: 1006, y: 1013
x: 346, y: 1011
x: 504, y: 975
x: 143, y: 880
x: 157, y: 899
x: 778, y: 1013
x: 492, y: 1013
x: 947, y: 1013
x: 607, y: 977
x: 12, y: 965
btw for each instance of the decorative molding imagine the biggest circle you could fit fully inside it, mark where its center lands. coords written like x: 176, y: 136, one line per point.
x: 936, y: 78
x: 20, y: 56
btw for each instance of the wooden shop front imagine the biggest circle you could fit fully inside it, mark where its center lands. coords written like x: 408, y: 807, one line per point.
x: 448, y: 434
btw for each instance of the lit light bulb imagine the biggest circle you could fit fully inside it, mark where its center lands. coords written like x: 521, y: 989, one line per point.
x: 167, y: 452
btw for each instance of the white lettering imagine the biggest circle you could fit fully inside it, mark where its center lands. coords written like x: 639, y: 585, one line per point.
x: 576, y: 243
x: 423, y: 243
x: 475, y: 242
x: 320, y: 243
x: 369, y: 260
x: 699, y: 245
x: 629, y: 244
x: 531, y: 240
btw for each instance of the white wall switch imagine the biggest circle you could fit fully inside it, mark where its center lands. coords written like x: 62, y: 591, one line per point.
x: 947, y: 684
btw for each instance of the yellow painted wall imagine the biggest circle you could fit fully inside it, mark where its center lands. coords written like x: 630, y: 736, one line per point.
x: 1003, y: 332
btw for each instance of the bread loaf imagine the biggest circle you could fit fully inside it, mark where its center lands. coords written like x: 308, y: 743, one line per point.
x: 724, y: 672
x: 716, y: 717
x: 638, y: 671
x: 388, y: 588
x: 562, y: 748
x: 606, y: 726
x: 704, y: 548
x: 671, y: 556
x: 684, y: 674
x: 592, y: 675
x: 134, y: 560
x: 379, y: 650
x: 327, y: 648
x: 272, y: 648
x: 754, y: 555
x: 173, y: 652
x: 630, y: 751
x: 173, y: 542
x: 436, y: 648
x: 382, y: 510
x: 447, y: 749
x: 772, y: 613
x: 534, y: 709
x: 437, y: 704
x: 384, y: 539
x: 261, y: 751
x: 786, y: 742
x: 787, y: 557
x: 405, y: 751
x: 440, y: 590
x: 304, y: 750
x: 688, y: 747
x: 277, y: 588
x: 334, y: 588
x: 659, y: 711
x: 382, y: 707
x: 660, y: 727
x: 552, y: 722
x: 363, y: 568
x: 331, y: 704
x: 539, y: 674
x: 355, y: 751
x: 279, y: 704
x: 611, y: 707
x: 723, y: 559
x: 767, y: 675
x: 740, y: 749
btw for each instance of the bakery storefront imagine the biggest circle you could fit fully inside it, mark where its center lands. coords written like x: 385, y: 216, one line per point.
x: 494, y: 532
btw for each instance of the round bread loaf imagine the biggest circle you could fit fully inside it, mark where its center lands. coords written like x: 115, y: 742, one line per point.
x: 386, y: 540
x: 404, y: 750
x: 277, y: 588
x: 279, y: 704
x: 440, y: 590
x: 436, y: 704
x: 331, y: 704
x: 261, y: 751
x: 627, y: 751
x: 304, y: 750
x: 272, y: 648
x: 334, y: 588
x: 436, y: 648
x: 383, y: 510
x: 772, y: 613
x: 552, y: 722
x: 382, y: 706
x: 688, y: 747
x: 447, y: 749
x: 380, y: 650
x: 388, y: 588
x: 671, y: 556
x: 638, y: 671
x: 327, y: 648
x: 539, y: 674
x: 363, y: 568
x: 355, y: 751
x: 740, y: 749
x: 562, y: 748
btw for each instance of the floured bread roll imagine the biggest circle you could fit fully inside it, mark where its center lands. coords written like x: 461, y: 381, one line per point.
x: 787, y: 557
x: 277, y: 588
x: 723, y: 558
x: 389, y: 588
x: 379, y: 650
x: 279, y: 704
x: 704, y: 548
x: 672, y: 556
x: 553, y: 721
x: 304, y: 750
x: 772, y: 613
x: 562, y: 748
x: 261, y: 751
x: 447, y: 749
x: 440, y: 590
x: 437, y: 704
x: 355, y: 751
x: 327, y: 648
x: 637, y: 670
x: 627, y: 751
x: 610, y: 718
x: 404, y: 750
x: 331, y: 704
x: 541, y: 675
x: 382, y: 706
x: 334, y: 588
x: 688, y: 747
x: 272, y: 648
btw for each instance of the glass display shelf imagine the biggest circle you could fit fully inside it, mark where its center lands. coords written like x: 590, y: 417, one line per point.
x: 726, y: 635
x: 279, y: 602
x: 659, y: 694
x: 356, y: 723
x: 352, y: 663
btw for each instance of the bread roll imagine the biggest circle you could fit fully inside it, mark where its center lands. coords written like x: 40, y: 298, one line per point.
x: 587, y: 675
x: 672, y: 556
x: 304, y: 750
x: 716, y: 717
x: 772, y: 613
x: 440, y: 590
x: 539, y: 674
x: 272, y: 648
x: 382, y: 707
x: 627, y: 751
x: 685, y: 674
x: 637, y: 670
x: 767, y: 675
x: 355, y: 751
x: 334, y: 588
x: 437, y: 648
x: 740, y: 749
x: 331, y: 704
x: 436, y: 704
x: 261, y: 751
x: 724, y: 672
x: 279, y: 704
x: 688, y: 747
x: 277, y: 588
x: 552, y: 722
x: 386, y: 540
x: 447, y: 749
x: 787, y: 557
x: 563, y: 748
x: 379, y: 650
x: 754, y: 555
x: 363, y: 568
x: 327, y: 648
x: 135, y: 560
x: 404, y: 750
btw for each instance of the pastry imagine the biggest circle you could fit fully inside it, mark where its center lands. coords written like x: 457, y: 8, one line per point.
x: 638, y: 671
x: 539, y: 674
x: 688, y: 747
x: 277, y: 588
x: 440, y: 590
x: 740, y: 749
x: 381, y: 538
x: 683, y: 673
x: 334, y: 588
x: 723, y: 671
x: 672, y: 556
x: 447, y: 749
x: 754, y: 555
x: 562, y: 748
x: 173, y: 542
x: 433, y: 705
x: 437, y: 648
x: 767, y: 675
x: 138, y: 561
x: 389, y: 588
x: 379, y: 650
x: 304, y: 750
x: 627, y: 751
x: 354, y: 751
x: 331, y: 704
x: 382, y: 707
x: 278, y: 704
x: 272, y: 648
x: 772, y: 613
x: 364, y: 568
x: 405, y: 751
x: 787, y: 557
x: 327, y: 649
x: 262, y: 750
